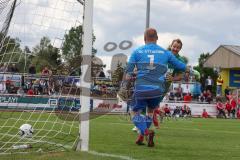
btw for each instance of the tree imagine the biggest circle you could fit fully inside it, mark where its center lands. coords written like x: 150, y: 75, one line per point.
x: 46, y: 55
x: 10, y: 49
x: 11, y: 52
x: 9, y: 45
x: 72, y: 47
x: 206, y: 71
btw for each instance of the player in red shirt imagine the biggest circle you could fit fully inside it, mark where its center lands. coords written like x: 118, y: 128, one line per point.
x: 234, y: 106
x: 167, y: 111
x: 228, y: 107
x: 238, y: 113
x: 220, y: 108
x: 205, y: 114
x: 158, y: 112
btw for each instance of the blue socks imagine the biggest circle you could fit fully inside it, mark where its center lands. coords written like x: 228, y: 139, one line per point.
x: 142, y: 122
x: 139, y: 121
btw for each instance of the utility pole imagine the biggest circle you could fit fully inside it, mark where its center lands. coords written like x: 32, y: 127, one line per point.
x: 148, y: 14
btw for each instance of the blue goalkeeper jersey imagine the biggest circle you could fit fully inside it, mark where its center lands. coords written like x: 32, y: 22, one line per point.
x: 151, y: 62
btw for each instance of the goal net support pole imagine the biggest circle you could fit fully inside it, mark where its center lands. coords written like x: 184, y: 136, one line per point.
x: 83, y: 143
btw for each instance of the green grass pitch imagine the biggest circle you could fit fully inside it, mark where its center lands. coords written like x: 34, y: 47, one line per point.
x: 111, y: 137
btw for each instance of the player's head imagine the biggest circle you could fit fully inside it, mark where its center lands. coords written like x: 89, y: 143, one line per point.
x: 175, y: 46
x: 150, y: 36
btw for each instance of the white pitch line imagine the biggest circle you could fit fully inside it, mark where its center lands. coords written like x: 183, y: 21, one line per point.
x: 197, y: 129
x: 110, y: 155
x: 175, y: 128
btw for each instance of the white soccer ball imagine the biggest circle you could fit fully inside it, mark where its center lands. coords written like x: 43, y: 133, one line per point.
x: 26, y: 130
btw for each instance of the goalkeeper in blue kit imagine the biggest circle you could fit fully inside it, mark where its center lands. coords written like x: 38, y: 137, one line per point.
x: 151, y: 62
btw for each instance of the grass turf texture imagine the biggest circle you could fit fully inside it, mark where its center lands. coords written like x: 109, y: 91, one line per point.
x: 182, y: 139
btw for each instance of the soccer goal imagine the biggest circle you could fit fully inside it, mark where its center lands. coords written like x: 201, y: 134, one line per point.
x: 41, y: 49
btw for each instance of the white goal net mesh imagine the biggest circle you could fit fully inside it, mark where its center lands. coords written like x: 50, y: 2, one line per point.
x: 37, y: 37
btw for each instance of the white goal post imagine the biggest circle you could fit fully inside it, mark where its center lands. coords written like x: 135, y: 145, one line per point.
x: 85, y: 97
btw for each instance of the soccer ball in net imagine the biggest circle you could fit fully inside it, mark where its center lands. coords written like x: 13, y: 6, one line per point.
x: 26, y: 130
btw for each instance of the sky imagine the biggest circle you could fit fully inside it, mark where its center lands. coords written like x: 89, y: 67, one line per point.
x: 202, y: 25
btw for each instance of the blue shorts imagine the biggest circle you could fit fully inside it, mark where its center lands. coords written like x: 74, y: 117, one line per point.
x: 141, y: 104
x: 146, y: 96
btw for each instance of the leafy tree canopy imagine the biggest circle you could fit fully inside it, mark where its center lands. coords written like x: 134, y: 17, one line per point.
x: 46, y: 55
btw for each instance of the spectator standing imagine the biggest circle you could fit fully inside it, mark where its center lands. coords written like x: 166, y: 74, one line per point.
x: 196, y: 90
x: 219, y: 85
x: 202, y: 81
x: 227, y: 92
x: 209, y: 83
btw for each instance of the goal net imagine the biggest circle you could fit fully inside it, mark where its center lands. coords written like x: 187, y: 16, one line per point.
x: 40, y: 46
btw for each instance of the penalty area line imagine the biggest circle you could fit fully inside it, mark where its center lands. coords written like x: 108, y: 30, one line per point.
x: 110, y: 155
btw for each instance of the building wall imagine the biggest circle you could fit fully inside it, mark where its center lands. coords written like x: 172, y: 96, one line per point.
x: 225, y: 76
x: 231, y: 78
x: 234, y: 78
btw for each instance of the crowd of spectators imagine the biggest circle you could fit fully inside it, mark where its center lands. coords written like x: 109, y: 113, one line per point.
x: 103, y: 87
x: 198, y: 92
x: 206, y: 96
x: 36, y: 84
x: 178, y: 94
x: 229, y: 109
x: 167, y: 113
x: 9, y: 68
x: 47, y: 84
x: 177, y: 111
